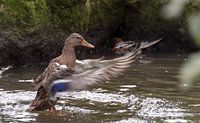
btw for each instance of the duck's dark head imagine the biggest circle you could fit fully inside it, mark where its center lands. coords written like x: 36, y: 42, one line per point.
x: 75, y: 39
x: 116, y: 42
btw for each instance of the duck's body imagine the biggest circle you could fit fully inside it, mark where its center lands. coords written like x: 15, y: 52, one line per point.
x: 68, y: 59
x: 122, y: 47
x: 68, y: 56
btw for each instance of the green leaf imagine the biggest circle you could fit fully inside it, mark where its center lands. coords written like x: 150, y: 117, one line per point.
x: 174, y: 8
x: 190, y: 71
x: 194, y: 28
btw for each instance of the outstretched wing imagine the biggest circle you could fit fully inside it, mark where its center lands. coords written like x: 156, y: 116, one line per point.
x: 110, y: 69
x: 128, y: 46
x: 51, y: 73
x: 125, y: 45
x: 87, y: 64
x: 148, y: 44
x: 42, y: 76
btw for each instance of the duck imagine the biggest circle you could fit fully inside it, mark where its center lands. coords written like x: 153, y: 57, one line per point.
x: 122, y: 47
x: 68, y: 58
x: 65, y: 73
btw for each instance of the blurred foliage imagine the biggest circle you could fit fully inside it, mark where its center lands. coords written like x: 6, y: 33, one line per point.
x: 194, y: 27
x: 174, y: 8
x: 188, y: 9
x: 190, y: 70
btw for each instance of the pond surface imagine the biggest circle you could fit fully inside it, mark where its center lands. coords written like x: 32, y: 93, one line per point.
x: 149, y: 91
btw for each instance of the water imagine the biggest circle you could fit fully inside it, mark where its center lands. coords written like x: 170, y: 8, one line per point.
x: 149, y: 91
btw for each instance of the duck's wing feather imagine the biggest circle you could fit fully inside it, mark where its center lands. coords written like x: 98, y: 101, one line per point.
x: 82, y: 65
x: 88, y: 64
x: 109, y: 69
x: 148, y: 44
x: 40, y: 77
x: 125, y: 45
x: 42, y: 100
x: 50, y: 74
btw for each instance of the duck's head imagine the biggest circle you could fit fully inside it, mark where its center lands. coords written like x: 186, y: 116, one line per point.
x: 116, y: 42
x: 75, y: 39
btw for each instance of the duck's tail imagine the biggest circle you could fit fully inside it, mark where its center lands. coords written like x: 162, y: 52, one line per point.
x: 41, y: 101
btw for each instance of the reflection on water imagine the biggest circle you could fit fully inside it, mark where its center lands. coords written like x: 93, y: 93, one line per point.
x: 147, y: 92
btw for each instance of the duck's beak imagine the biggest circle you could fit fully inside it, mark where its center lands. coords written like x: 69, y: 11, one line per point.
x: 86, y: 44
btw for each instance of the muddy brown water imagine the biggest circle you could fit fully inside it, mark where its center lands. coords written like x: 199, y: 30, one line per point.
x: 147, y: 92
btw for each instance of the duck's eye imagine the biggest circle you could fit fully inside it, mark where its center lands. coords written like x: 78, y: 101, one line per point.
x: 78, y: 38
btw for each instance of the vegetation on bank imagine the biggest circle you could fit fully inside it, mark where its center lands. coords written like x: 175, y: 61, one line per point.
x: 82, y: 15
x: 43, y: 23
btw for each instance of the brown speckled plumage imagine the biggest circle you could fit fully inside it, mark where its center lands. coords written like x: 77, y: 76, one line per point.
x: 67, y: 58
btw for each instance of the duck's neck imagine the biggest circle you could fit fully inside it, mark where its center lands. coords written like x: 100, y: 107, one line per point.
x: 69, y: 57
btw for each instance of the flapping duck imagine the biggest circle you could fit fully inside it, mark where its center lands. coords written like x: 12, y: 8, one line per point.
x: 64, y: 73
x: 123, y: 47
